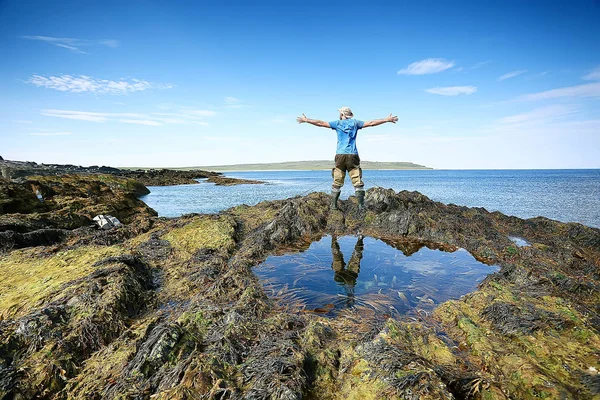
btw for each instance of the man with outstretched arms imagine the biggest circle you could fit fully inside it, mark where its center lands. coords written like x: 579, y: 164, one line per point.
x: 346, y: 157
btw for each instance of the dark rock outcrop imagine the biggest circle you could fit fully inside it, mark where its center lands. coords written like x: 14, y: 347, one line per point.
x: 147, y: 177
x: 65, y: 203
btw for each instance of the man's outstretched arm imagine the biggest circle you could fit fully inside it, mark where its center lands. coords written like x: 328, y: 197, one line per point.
x: 391, y: 118
x: 314, y: 122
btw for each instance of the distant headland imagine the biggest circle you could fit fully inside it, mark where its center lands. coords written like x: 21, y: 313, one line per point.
x: 306, y: 165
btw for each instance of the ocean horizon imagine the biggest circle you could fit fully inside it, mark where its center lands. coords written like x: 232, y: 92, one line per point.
x: 567, y: 195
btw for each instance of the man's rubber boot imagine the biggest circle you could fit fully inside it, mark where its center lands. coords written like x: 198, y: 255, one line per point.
x: 360, y: 195
x: 334, y: 198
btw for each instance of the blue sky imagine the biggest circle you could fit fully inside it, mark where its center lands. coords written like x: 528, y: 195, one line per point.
x: 507, y: 84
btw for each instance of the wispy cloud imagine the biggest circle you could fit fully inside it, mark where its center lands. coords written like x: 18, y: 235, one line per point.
x: 233, y: 102
x: 480, y: 64
x: 475, y: 66
x: 512, y: 74
x: 542, y: 114
x: 50, y: 133
x: 141, y: 122
x: 452, y: 90
x: 200, y: 113
x: 594, y: 75
x: 186, y: 116
x: 427, y: 66
x: 85, y: 115
x: 73, y: 44
x: 82, y: 83
x: 585, y: 90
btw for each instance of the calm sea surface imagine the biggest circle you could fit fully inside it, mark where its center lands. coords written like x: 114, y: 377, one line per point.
x: 564, y: 195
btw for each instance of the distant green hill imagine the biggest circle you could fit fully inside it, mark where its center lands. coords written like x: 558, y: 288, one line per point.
x: 305, y: 165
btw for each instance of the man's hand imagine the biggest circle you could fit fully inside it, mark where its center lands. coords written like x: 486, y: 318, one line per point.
x: 392, y: 118
x: 302, y: 119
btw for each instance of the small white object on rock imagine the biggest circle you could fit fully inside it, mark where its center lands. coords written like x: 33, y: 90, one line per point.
x: 106, y: 221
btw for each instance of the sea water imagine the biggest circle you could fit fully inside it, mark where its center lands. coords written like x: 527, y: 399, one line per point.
x: 564, y: 195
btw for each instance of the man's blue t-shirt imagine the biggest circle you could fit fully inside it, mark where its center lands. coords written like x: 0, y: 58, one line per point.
x: 346, y: 134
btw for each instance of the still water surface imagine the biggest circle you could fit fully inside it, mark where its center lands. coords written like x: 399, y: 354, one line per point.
x: 338, y: 273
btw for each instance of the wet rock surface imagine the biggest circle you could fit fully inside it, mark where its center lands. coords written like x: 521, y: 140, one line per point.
x: 147, y: 177
x: 172, y: 310
x: 65, y: 203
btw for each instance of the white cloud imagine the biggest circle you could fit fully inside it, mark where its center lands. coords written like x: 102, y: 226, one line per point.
x: 170, y: 120
x: 77, y: 115
x: 475, y: 66
x: 87, y: 115
x: 201, y: 113
x: 594, y: 75
x: 512, y: 74
x: 82, y: 83
x: 480, y: 64
x: 141, y: 122
x: 108, y: 42
x: 50, y: 133
x: 72, y: 43
x: 542, y: 114
x: 185, y: 116
x: 427, y: 66
x: 452, y: 90
x: 233, y: 102
x: 585, y: 90
x: 189, y: 116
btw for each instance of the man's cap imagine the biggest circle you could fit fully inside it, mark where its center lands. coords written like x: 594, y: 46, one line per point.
x: 346, y: 111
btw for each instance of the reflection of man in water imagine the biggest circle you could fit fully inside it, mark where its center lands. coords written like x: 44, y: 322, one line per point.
x: 347, y: 275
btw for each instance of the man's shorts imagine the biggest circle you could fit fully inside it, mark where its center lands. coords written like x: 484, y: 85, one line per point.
x: 347, y: 163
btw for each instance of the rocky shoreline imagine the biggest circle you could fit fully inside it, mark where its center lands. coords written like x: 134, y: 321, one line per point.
x: 147, y: 177
x: 170, y: 308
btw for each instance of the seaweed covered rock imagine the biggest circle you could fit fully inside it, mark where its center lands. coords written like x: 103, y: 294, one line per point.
x: 148, y: 177
x: 165, y: 177
x: 17, y: 198
x: 38, y: 210
x: 176, y: 312
x: 70, y: 305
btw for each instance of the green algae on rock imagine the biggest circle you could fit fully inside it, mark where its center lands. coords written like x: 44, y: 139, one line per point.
x: 67, y: 202
x: 175, y: 312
